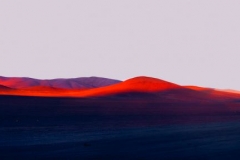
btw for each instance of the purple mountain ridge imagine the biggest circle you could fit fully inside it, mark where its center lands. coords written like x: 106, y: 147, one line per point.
x: 65, y: 83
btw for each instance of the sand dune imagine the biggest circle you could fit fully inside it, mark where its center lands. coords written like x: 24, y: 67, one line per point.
x: 134, y: 87
x: 166, y: 120
x: 216, y: 92
x: 137, y: 84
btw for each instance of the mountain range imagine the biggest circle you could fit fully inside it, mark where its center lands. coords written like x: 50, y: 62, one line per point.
x: 71, y: 83
x: 141, y: 86
x: 87, y: 118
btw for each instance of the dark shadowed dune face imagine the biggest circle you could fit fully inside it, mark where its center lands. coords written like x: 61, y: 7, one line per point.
x: 4, y: 87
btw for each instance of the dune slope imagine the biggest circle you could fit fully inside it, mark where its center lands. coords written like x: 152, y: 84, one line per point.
x: 135, y: 87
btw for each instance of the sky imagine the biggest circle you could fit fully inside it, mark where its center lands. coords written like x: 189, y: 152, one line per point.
x: 189, y: 42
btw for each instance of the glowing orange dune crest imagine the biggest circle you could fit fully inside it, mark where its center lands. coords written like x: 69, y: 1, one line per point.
x: 137, y: 84
x: 140, y: 84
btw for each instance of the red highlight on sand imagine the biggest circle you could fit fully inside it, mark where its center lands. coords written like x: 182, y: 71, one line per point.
x: 100, y: 87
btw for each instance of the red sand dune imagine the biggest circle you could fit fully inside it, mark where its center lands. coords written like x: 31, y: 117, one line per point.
x: 228, y: 90
x: 137, y: 84
x: 197, y: 88
x: 216, y: 92
x: 134, y: 85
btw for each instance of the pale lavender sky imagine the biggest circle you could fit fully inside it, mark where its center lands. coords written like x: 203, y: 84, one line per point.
x: 183, y: 41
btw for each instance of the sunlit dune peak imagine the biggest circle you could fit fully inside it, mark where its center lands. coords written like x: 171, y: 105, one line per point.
x: 133, y: 85
x: 144, y: 79
x: 143, y: 83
